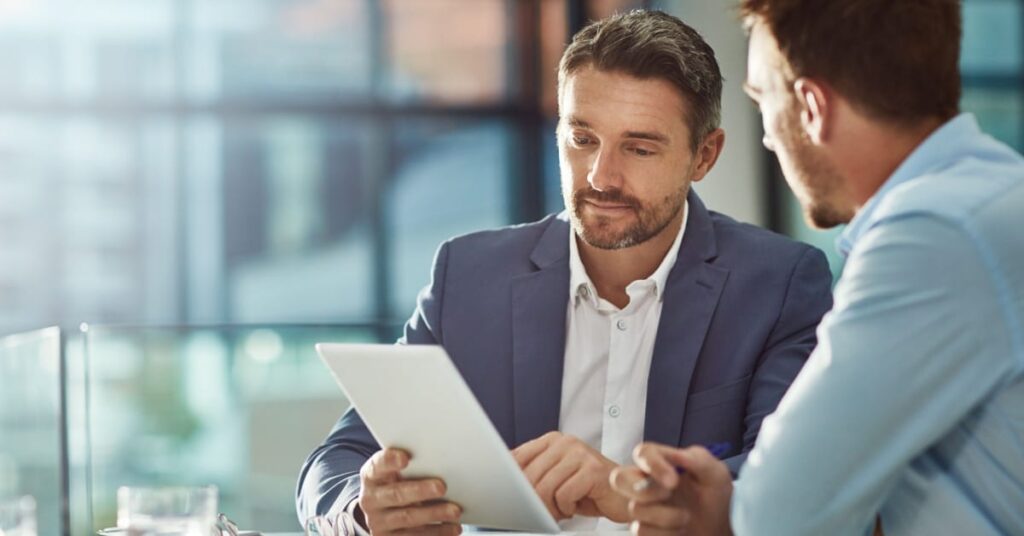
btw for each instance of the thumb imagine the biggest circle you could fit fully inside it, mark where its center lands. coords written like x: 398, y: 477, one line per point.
x: 700, y: 464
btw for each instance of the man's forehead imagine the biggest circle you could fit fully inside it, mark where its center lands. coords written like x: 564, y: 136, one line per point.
x: 765, y: 62
x: 619, y: 85
x: 600, y: 98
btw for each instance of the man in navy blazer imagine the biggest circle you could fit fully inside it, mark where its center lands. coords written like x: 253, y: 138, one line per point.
x: 636, y: 315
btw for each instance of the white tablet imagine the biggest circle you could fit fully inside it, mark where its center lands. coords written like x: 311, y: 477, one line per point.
x: 413, y: 398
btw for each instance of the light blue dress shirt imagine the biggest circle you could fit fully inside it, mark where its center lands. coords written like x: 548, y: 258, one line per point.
x: 912, y: 406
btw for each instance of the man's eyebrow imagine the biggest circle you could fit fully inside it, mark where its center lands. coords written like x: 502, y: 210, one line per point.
x: 576, y: 122
x: 652, y: 136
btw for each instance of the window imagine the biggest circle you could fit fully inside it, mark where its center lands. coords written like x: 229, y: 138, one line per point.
x: 257, y: 161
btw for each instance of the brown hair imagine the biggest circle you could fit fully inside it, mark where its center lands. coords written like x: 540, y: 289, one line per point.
x: 896, y: 60
x: 653, y: 44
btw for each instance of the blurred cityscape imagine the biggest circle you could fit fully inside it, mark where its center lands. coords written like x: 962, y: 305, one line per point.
x: 198, y: 161
x: 236, y: 161
x: 268, y: 162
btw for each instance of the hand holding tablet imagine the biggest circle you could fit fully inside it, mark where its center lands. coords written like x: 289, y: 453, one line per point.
x: 390, y: 503
x: 425, y: 408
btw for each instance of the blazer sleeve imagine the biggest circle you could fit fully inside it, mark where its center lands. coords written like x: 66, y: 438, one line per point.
x: 808, y: 297
x: 329, y: 479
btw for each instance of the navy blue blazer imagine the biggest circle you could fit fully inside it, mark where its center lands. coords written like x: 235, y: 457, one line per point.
x: 738, y: 322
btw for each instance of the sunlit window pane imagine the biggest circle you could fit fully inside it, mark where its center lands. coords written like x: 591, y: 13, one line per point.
x: 448, y: 50
x: 30, y: 420
x: 1000, y: 112
x: 278, y: 48
x: 993, y: 37
x: 452, y: 180
x: 87, y: 50
x: 553, y: 201
x: 237, y: 408
x: 88, y: 210
x: 599, y: 9
x: 297, y: 233
x: 554, y: 35
x: 30, y: 59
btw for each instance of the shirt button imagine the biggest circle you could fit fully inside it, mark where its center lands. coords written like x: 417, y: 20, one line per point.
x: 614, y: 411
x: 621, y: 324
x: 585, y: 292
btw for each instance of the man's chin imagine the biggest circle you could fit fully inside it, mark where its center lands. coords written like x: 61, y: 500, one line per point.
x: 605, y: 238
x: 823, y: 218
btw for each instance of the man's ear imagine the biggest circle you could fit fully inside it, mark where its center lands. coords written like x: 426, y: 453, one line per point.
x: 707, y: 153
x: 815, y: 104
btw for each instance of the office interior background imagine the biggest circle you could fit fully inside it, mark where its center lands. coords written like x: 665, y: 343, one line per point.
x: 171, y: 170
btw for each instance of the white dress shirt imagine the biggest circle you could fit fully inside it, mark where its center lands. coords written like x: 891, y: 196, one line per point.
x: 607, y: 360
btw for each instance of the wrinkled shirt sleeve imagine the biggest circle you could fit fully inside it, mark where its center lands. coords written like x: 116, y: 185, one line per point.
x: 915, y: 341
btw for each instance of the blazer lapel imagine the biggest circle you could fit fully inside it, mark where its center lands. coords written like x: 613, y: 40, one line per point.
x: 539, y: 301
x: 691, y: 295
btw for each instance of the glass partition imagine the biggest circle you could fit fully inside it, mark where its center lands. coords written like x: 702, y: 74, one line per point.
x: 31, y: 424
x: 237, y: 407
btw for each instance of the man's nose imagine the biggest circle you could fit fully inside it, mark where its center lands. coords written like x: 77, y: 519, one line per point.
x: 604, y: 171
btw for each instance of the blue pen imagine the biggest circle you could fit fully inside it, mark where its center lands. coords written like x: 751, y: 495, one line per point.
x: 716, y: 449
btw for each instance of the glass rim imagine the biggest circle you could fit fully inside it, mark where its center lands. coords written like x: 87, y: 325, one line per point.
x: 131, y: 492
x: 176, y: 487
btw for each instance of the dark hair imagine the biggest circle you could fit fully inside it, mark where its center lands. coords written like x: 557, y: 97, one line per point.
x: 653, y: 44
x: 896, y: 60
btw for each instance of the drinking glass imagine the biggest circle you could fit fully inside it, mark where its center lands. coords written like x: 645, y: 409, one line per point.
x: 18, y: 517
x: 179, y: 511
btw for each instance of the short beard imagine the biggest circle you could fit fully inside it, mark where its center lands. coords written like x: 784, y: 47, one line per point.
x: 818, y: 177
x: 650, y: 222
x: 825, y: 216
x: 822, y: 182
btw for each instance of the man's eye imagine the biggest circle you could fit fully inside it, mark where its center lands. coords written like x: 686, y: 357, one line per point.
x: 642, y: 152
x: 580, y: 140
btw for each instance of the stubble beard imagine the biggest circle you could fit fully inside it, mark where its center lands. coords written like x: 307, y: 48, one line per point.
x: 599, y: 232
x: 816, y: 176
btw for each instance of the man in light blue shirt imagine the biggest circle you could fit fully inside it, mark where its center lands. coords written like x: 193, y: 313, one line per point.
x: 909, y: 416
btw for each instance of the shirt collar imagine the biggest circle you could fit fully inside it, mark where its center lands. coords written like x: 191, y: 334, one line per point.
x: 935, y: 151
x: 581, y: 287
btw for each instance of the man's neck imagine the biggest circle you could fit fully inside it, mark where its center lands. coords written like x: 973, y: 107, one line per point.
x: 878, y: 153
x: 612, y: 270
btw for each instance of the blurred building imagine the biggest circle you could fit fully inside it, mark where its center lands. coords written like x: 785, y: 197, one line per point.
x: 202, y: 161
x: 280, y: 161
